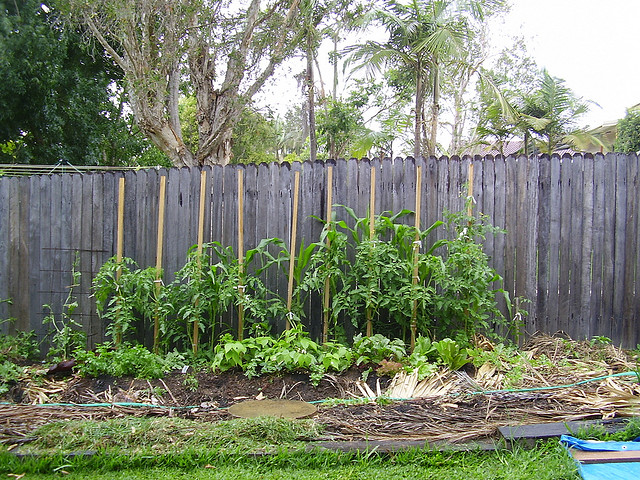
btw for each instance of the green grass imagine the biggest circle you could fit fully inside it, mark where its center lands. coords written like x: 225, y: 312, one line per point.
x: 545, y: 462
x: 173, y: 448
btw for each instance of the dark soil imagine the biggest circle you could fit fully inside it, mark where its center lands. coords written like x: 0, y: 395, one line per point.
x: 204, y: 388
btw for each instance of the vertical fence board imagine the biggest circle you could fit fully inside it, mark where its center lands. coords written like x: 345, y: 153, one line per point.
x: 4, y: 251
x: 619, y: 245
x: 564, y: 308
x: 598, y: 239
x: 98, y: 256
x: 585, y: 267
x: 544, y: 231
x: 575, y: 286
x: 34, y: 306
x: 629, y: 302
x: 499, y: 188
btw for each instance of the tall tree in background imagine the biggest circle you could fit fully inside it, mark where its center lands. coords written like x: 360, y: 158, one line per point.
x: 423, y: 37
x: 59, y: 99
x: 226, y: 50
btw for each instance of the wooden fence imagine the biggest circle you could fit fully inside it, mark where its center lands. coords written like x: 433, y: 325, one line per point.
x: 571, y: 246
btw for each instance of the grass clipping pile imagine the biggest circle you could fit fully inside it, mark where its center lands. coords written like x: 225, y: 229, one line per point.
x: 550, y: 379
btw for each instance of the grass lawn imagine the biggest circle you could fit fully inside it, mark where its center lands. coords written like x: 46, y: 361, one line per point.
x: 546, y: 461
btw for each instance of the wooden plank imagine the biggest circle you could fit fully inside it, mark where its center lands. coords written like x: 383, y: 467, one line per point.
x: 620, y: 234
x: 576, y: 326
x: 544, y: 235
x: 5, y: 183
x: 45, y: 260
x: 586, y: 267
x: 173, y: 211
x: 430, y: 213
x: 587, y: 457
x: 250, y: 205
x: 521, y: 227
x: 564, y: 299
x: 499, y: 242
x: 636, y: 318
x: 511, y: 223
x: 555, y: 222
x: 598, y: 241
x: 86, y: 214
x: 98, y: 256
x: 609, y: 245
x: 130, y: 217
x: 35, y: 306
x: 630, y: 303
x: 65, y: 248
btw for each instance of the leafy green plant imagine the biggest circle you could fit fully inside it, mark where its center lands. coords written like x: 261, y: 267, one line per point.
x: 466, y: 298
x: 125, y: 360
x: 9, y: 373
x: 376, y: 348
x: 22, y: 346
x: 292, y: 351
x: 66, y: 334
x: 451, y: 354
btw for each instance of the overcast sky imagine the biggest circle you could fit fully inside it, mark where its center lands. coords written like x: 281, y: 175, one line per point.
x: 594, y: 45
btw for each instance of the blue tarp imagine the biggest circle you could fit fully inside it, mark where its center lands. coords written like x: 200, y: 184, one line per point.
x: 605, y: 471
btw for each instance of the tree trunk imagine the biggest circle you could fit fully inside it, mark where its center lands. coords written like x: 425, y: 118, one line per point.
x: 417, y: 136
x: 435, y: 111
x: 313, y: 142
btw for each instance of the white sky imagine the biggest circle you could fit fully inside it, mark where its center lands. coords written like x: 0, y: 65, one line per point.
x: 594, y: 45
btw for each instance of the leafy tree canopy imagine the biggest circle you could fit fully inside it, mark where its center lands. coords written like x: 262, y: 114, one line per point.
x: 628, y: 140
x: 56, y: 94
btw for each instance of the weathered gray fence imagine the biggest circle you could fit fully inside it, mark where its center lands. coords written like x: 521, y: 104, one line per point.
x: 571, y: 247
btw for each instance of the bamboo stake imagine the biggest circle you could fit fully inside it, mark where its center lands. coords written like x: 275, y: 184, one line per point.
x: 203, y: 186
x: 158, y: 281
x: 292, y: 246
x: 416, y: 253
x: 470, y: 189
x: 120, y: 241
x: 372, y: 230
x: 327, y: 281
x: 240, y: 251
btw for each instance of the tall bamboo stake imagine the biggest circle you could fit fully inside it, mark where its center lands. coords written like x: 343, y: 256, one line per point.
x: 292, y: 246
x: 327, y: 281
x: 159, y: 245
x: 416, y: 253
x: 470, y: 189
x: 240, y: 251
x: 203, y: 186
x: 120, y: 242
x: 372, y: 230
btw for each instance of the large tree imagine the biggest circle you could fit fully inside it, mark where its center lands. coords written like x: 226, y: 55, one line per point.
x: 224, y: 51
x: 58, y: 96
x: 423, y: 37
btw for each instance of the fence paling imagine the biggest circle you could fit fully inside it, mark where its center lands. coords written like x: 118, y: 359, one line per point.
x: 44, y: 221
x: 158, y: 282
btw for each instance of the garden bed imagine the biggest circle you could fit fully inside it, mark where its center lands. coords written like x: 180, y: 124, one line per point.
x: 551, y: 379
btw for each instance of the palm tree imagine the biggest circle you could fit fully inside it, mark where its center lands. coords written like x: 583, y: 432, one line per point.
x: 550, y: 114
x: 423, y: 37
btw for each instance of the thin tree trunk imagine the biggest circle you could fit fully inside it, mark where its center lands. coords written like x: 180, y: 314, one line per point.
x: 435, y: 112
x: 313, y: 142
x: 417, y: 136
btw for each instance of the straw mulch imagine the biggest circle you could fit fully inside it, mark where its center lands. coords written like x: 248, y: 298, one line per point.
x: 452, y: 407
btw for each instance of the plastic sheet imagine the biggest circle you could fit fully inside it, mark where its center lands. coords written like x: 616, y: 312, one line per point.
x: 605, y: 471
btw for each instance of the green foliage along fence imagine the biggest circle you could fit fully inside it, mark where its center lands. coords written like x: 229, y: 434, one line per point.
x: 571, y: 246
